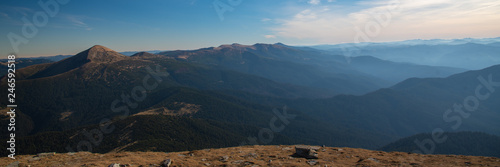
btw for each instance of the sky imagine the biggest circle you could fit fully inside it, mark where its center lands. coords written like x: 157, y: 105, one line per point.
x: 30, y: 29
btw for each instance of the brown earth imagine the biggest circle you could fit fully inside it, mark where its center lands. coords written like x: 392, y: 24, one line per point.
x: 253, y: 156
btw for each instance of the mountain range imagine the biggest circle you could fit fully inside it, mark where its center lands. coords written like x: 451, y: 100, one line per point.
x: 224, y: 96
x: 472, y: 54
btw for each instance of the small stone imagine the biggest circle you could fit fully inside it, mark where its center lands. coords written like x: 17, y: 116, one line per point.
x: 237, y: 162
x: 224, y: 158
x: 251, y: 155
x: 373, y: 159
x: 312, y: 162
x: 207, y: 164
x: 34, y: 159
x: 13, y: 164
x: 248, y: 163
x: 166, y: 163
x: 23, y: 165
x: 114, y: 165
x: 49, y: 154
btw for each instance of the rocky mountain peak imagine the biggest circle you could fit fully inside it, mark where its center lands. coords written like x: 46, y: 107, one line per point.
x: 101, y: 54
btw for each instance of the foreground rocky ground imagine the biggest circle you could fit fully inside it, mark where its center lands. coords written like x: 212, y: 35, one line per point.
x: 251, y: 156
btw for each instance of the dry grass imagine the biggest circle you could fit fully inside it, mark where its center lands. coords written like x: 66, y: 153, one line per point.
x: 255, y: 155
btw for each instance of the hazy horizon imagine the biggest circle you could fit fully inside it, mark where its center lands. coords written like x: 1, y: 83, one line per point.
x: 298, y: 45
x: 159, y: 25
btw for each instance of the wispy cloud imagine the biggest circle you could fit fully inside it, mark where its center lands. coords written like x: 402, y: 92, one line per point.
x: 314, y: 2
x: 4, y: 15
x: 192, y: 2
x: 411, y: 19
x: 270, y: 36
x: 11, y: 15
x: 317, y: 2
x: 78, y: 21
x: 22, y: 10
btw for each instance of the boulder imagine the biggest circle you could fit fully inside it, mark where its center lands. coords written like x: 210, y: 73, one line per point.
x: 308, y: 152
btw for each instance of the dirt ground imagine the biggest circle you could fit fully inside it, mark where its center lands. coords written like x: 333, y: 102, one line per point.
x: 252, y: 156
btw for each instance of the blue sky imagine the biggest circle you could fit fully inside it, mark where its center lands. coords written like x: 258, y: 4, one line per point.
x: 128, y: 25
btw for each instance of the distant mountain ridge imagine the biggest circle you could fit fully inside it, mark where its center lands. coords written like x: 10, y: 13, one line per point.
x: 305, y: 66
x: 309, y: 67
x: 397, y: 72
x: 414, y: 42
x: 459, y: 53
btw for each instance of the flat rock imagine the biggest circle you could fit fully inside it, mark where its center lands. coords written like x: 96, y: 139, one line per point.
x: 308, y: 152
x: 49, y: 154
